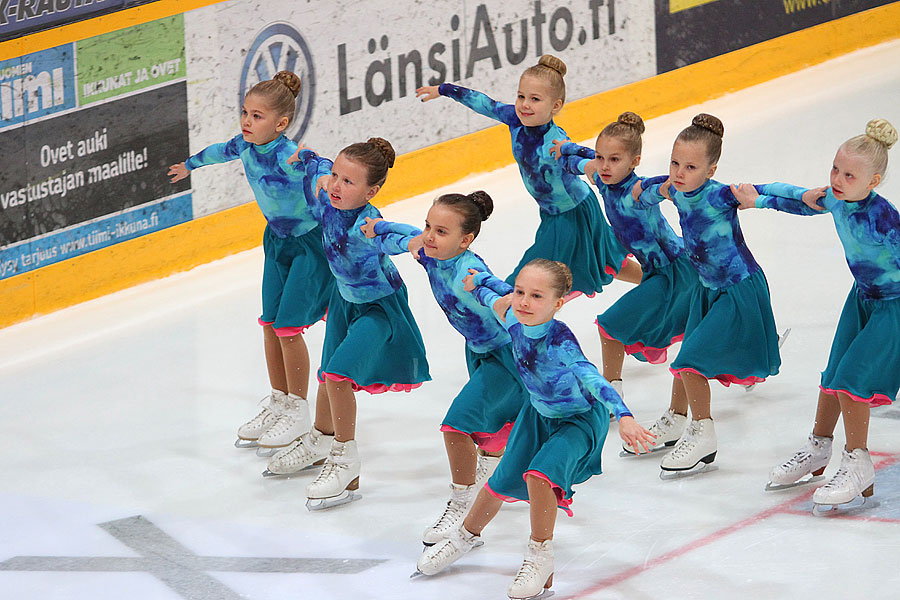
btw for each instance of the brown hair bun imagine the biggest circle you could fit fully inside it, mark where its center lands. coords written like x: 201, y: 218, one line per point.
x: 290, y: 80
x: 552, y: 62
x: 484, y: 202
x: 385, y: 148
x: 710, y: 123
x: 632, y: 120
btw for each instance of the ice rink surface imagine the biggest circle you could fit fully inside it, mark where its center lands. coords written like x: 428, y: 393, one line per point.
x: 120, y: 478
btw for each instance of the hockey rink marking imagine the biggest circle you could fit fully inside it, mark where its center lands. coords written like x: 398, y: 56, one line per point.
x: 787, y: 507
x: 176, y: 566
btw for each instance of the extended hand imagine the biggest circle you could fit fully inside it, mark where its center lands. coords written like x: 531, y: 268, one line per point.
x: 556, y: 149
x: 634, y: 435
x: 810, y: 197
x: 369, y: 228
x: 178, y: 172
x: 746, y: 195
x: 428, y: 92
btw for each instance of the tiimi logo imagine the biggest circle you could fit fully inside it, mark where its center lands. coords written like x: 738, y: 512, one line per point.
x: 280, y: 47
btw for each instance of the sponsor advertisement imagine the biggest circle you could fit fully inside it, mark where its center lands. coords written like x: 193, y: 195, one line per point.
x: 19, y: 17
x: 75, y: 171
x: 688, y: 31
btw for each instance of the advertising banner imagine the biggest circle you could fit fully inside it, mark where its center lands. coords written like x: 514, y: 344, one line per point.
x: 19, y: 17
x: 81, y: 153
x: 688, y: 31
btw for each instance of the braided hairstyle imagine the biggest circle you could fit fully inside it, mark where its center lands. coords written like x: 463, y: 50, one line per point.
x: 472, y: 208
x: 707, y: 130
x: 376, y: 154
x: 874, y: 144
x: 279, y: 93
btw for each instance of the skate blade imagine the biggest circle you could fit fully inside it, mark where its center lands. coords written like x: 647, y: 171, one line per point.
x: 241, y: 443
x: 345, y: 497
x: 318, y: 463
x: 774, y: 487
x: 848, y: 508
x: 265, y: 452
x: 417, y: 574
x: 696, y: 470
x: 545, y: 593
x: 783, y: 337
x: 667, y: 446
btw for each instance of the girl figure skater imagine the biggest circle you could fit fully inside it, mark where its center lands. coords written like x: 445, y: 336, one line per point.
x: 483, y: 412
x: 573, y: 229
x: 717, y: 344
x: 296, y: 280
x: 862, y: 369
x: 646, y: 320
x: 557, y: 439
x: 372, y: 342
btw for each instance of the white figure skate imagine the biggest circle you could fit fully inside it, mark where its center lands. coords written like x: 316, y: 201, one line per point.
x: 310, y: 450
x: 805, y: 466
x: 249, y: 432
x: 461, y: 499
x: 535, y: 576
x: 441, y: 555
x: 667, y: 429
x: 850, y: 487
x: 781, y: 340
x: 289, y: 426
x: 338, y: 480
x: 486, y: 466
x: 694, y: 452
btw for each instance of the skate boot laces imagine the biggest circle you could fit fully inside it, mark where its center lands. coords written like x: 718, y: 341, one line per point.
x: 455, y: 506
x: 686, y: 444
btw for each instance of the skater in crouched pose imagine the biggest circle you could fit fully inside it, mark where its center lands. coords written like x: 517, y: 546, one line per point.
x: 297, y: 283
x: 483, y: 412
x: 557, y: 439
x: 648, y: 319
x: 573, y: 229
x: 863, y: 367
x: 730, y: 334
x: 372, y: 342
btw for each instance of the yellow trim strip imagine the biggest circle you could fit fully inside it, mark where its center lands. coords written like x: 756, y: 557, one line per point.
x: 680, y: 5
x: 82, y: 30
x: 185, y: 246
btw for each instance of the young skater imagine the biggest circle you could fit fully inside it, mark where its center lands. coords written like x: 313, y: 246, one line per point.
x: 558, y: 436
x: 716, y: 344
x: 573, y: 229
x: 862, y: 369
x: 372, y: 342
x: 646, y: 320
x: 483, y: 412
x: 296, y: 280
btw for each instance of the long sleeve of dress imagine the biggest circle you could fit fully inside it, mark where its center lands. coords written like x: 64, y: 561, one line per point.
x: 218, y: 153
x: 489, y: 289
x: 573, y: 149
x: 394, y: 238
x: 785, y: 198
x: 591, y: 380
x: 480, y: 103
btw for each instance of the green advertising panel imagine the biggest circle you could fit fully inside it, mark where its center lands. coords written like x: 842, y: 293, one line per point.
x: 131, y: 59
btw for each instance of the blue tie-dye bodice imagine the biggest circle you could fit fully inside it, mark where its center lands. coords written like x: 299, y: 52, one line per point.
x: 711, y: 231
x: 642, y: 230
x: 558, y: 377
x: 468, y: 316
x: 869, y: 231
x: 554, y: 189
x: 363, y: 272
x: 273, y: 181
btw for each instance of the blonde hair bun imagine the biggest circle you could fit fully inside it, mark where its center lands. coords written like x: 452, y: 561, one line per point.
x: 290, y: 80
x: 882, y: 131
x: 632, y: 120
x: 710, y: 123
x: 552, y: 62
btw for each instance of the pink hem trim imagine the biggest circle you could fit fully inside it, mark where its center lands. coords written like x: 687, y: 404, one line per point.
x: 489, y: 442
x: 574, y: 294
x: 875, y: 400
x: 653, y: 355
x: 290, y: 331
x: 375, y: 388
x: 725, y: 380
x: 611, y: 271
x: 563, y: 504
x: 264, y: 323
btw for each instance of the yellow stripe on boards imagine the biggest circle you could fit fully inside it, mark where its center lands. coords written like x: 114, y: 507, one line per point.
x: 209, y: 238
x: 680, y: 5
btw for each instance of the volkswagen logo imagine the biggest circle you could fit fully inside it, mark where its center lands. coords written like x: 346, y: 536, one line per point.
x: 280, y: 47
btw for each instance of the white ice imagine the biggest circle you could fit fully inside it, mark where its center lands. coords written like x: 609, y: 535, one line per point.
x: 128, y: 405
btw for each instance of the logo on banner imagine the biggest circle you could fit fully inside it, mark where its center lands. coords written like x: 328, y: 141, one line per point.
x: 280, y: 47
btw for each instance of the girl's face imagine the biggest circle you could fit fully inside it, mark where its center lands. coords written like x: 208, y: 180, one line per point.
x: 259, y: 123
x: 852, y: 177
x: 614, y: 162
x: 536, y: 102
x: 535, y: 300
x: 689, y: 168
x: 443, y: 235
x: 348, y: 187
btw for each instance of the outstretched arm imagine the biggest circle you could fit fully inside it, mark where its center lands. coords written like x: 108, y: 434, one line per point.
x: 480, y: 103
x: 218, y: 153
x: 490, y: 292
x: 391, y: 238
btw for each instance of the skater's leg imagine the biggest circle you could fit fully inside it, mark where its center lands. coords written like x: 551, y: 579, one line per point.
x: 461, y: 454
x: 679, y: 401
x: 482, y: 512
x: 323, y: 411
x: 856, y: 422
x: 274, y: 360
x: 543, y: 508
x: 296, y: 364
x: 343, y: 409
x: 697, y: 388
x: 828, y: 411
x: 630, y: 272
x: 613, y: 357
